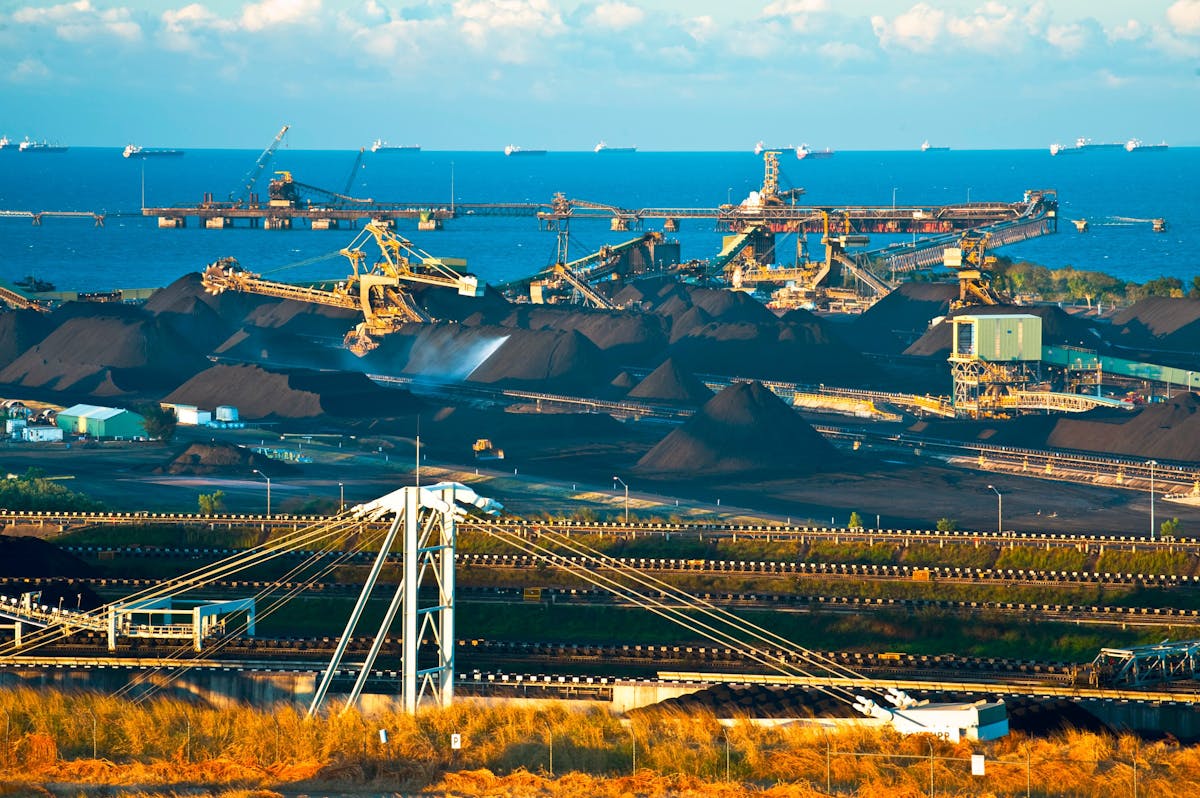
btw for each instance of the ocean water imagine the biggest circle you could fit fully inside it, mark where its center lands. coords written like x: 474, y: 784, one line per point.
x: 1117, y: 192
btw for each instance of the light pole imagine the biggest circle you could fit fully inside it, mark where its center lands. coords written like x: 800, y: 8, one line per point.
x: 341, y: 497
x: 268, y: 479
x: 893, y: 198
x: 729, y: 196
x: 999, y: 510
x: 618, y: 479
x: 1152, y: 464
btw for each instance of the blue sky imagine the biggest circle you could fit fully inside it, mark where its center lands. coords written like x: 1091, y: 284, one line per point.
x: 659, y: 74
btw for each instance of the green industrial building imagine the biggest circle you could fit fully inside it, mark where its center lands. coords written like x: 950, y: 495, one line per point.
x: 101, y: 422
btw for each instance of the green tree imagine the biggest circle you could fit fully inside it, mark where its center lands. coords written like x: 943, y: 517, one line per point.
x: 212, y: 503
x: 159, y: 422
x: 1169, y: 529
x: 947, y: 525
x: 855, y: 521
x: 1194, y: 292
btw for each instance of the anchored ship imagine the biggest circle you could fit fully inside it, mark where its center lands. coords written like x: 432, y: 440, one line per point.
x: 40, y: 146
x: 804, y: 153
x: 512, y: 149
x: 379, y: 145
x: 927, y: 147
x: 135, y: 151
x: 603, y: 147
x: 7, y: 144
x: 1083, y: 145
x: 1137, y: 145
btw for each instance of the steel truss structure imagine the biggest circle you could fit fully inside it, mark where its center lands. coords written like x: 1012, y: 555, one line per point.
x: 425, y: 521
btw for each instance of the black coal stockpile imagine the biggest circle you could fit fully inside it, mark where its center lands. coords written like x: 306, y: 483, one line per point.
x: 546, y: 360
x: 21, y: 329
x: 261, y: 393
x: 673, y: 384
x: 1169, y: 430
x: 226, y: 459
x: 759, y: 701
x: 893, y: 323
x: 744, y: 429
x: 124, y: 354
x: 628, y: 337
x: 285, y: 350
x: 790, y: 351
x: 30, y: 557
x: 1158, y: 323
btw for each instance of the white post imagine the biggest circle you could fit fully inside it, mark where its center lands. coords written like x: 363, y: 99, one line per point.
x: 1152, y: 464
x: 447, y: 541
x: 999, y: 510
x: 412, y: 511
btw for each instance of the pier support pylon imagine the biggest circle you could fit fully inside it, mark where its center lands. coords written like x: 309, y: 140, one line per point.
x: 425, y: 519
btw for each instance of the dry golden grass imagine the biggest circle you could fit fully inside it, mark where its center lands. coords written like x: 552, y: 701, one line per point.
x: 165, y: 747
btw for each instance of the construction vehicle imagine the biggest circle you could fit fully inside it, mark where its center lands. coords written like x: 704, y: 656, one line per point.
x: 484, y: 450
x: 376, y: 289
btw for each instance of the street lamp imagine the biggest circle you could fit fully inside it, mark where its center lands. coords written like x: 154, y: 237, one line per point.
x: 893, y: 197
x: 1152, y: 464
x: 618, y: 479
x: 268, y: 479
x: 999, y: 510
x: 729, y: 196
x: 341, y: 497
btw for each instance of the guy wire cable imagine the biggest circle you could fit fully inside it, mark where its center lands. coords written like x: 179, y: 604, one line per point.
x: 277, y: 602
x: 236, y: 562
x: 667, y: 611
x: 815, y: 658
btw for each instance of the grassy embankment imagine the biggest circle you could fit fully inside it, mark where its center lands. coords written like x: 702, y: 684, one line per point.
x: 83, y: 744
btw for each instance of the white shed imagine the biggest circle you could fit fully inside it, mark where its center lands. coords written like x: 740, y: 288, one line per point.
x: 41, y: 433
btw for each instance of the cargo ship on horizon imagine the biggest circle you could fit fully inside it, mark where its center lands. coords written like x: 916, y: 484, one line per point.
x: 40, y: 146
x: 137, y: 151
x: 1137, y: 145
x: 512, y: 149
x: 927, y: 147
x: 379, y: 145
x: 604, y: 148
x: 1084, y: 145
x: 805, y: 154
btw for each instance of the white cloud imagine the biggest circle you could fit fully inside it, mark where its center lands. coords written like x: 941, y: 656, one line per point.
x: 1069, y: 39
x: 799, y: 12
x: 842, y: 52
x: 270, y: 13
x: 79, y: 21
x: 1125, y: 32
x: 702, y: 28
x: 915, y: 29
x: 29, y: 69
x: 1184, y: 16
x: 616, y: 16
x: 179, y: 27
x: 990, y: 26
x: 507, y: 28
x: 1112, y: 80
x: 677, y: 56
x: 759, y: 41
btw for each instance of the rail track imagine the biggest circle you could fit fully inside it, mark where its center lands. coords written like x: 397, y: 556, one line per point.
x: 1091, y: 614
x: 66, y: 521
x: 796, y: 568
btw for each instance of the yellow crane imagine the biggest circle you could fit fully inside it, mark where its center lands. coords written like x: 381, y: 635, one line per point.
x: 375, y: 289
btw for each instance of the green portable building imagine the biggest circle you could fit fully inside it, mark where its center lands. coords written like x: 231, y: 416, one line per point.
x: 101, y: 422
